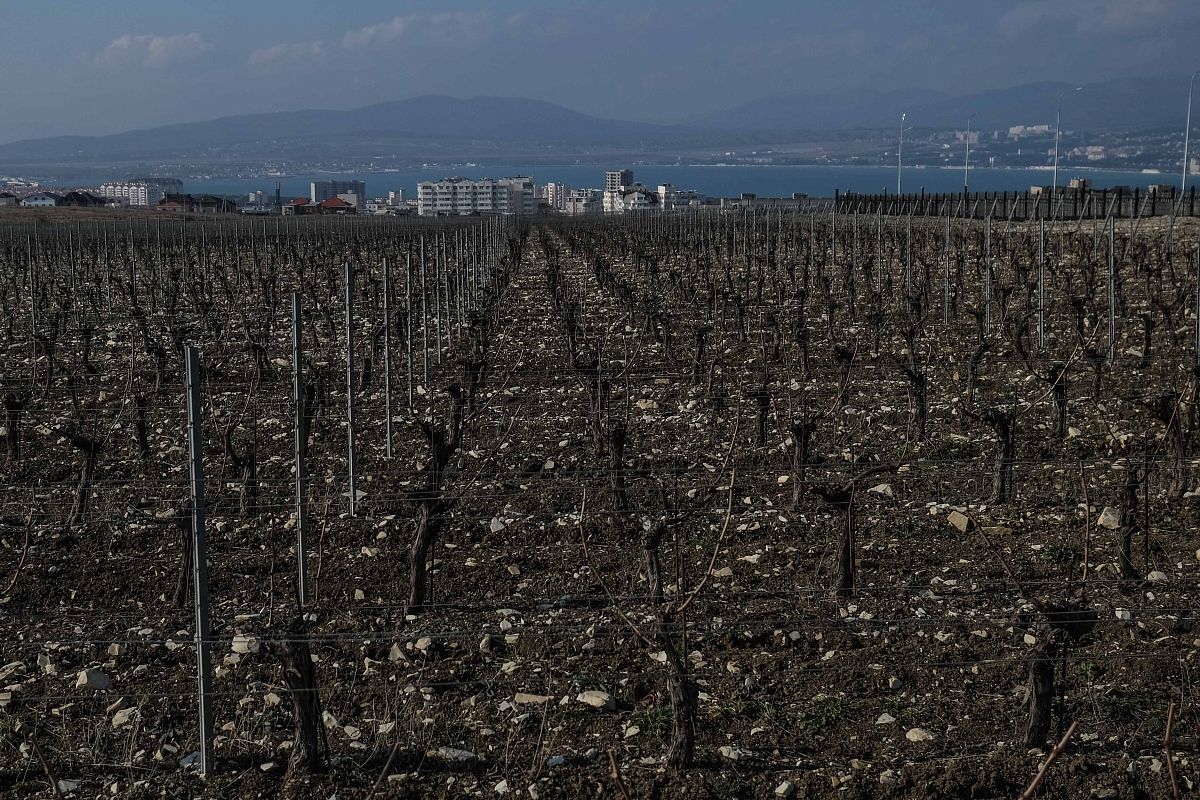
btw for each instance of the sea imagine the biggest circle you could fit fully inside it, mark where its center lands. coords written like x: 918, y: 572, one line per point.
x: 711, y: 180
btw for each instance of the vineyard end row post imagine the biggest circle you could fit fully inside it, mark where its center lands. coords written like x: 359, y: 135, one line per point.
x: 200, y: 562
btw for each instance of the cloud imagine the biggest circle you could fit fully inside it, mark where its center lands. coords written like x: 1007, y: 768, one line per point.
x: 152, y: 50
x: 540, y: 23
x: 462, y: 26
x: 417, y: 28
x: 295, y: 51
x: 1090, y: 19
x: 380, y: 32
x: 454, y: 26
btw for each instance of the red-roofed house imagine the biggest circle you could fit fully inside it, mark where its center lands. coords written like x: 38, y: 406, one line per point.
x: 300, y: 205
x: 336, y: 205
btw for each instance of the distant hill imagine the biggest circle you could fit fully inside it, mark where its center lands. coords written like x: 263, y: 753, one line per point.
x: 858, y: 109
x: 1127, y: 103
x: 508, y: 119
x: 439, y: 126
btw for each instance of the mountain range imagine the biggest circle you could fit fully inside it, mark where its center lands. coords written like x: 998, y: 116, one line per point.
x: 1126, y: 103
x: 504, y: 119
x: 437, y: 122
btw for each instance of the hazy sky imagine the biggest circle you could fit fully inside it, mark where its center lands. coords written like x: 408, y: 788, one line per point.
x: 101, y: 67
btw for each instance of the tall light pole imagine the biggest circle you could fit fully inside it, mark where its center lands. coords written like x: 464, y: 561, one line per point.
x: 900, y: 154
x: 1187, y: 129
x: 1057, y: 132
x: 967, y: 158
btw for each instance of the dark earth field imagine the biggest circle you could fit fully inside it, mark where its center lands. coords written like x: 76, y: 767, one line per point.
x: 699, y: 505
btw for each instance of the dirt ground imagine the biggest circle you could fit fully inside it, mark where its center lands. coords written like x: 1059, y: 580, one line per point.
x: 912, y: 684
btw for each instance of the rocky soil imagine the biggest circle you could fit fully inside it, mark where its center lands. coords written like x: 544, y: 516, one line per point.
x: 762, y: 376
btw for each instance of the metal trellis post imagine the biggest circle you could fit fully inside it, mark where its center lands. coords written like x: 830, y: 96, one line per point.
x: 200, y: 563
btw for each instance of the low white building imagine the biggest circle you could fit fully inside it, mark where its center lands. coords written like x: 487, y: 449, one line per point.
x: 583, y: 201
x: 629, y: 198
x: 1019, y: 131
x: 41, y: 200
x: 670, y: 197
x: 639, y: 199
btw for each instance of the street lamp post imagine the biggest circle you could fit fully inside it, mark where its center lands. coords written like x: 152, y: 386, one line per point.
x: 1057, y: 132
x: 1187, y: 130
x: 900, y: 155
x: 967, y: 158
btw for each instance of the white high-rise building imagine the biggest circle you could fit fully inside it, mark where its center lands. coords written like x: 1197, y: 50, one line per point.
x: 615, y: 180
x: 521, y: 194
x: 556, y: 195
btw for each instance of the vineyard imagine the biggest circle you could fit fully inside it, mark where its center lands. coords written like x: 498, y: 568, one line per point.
x: 750, y: 504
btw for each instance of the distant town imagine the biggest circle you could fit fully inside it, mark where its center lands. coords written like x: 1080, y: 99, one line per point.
x: 459, y: 196
x: 451, y: 196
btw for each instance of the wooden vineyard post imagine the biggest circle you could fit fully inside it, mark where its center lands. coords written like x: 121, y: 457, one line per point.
x: 301, y: 437
x: 350, y: 443
x: 438, y: 245
x: 1112, y: 291
x: 200, y: 562
x: 1198, y: 305
x: 878, y: 248
x: 408, y: 309
x: 387, y: 359
x: 854, y: 255
x: 1041, y: 285
x: 424, y: 319
x: 473, y: 284
x: 460, y: 278
x: 987, y: 274
x: 833, y: 253
x: 908, y: 256
x: 946, y: 272
x: 449, y: 320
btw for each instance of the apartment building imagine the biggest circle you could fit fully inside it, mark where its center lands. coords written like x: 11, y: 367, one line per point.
x: 147, y: 192
x: 457, y: 196
x: 320, y: 191
x: 556, y: 196
x: 522, y: 200
x: 584, y: 201
x: 615, y: 180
